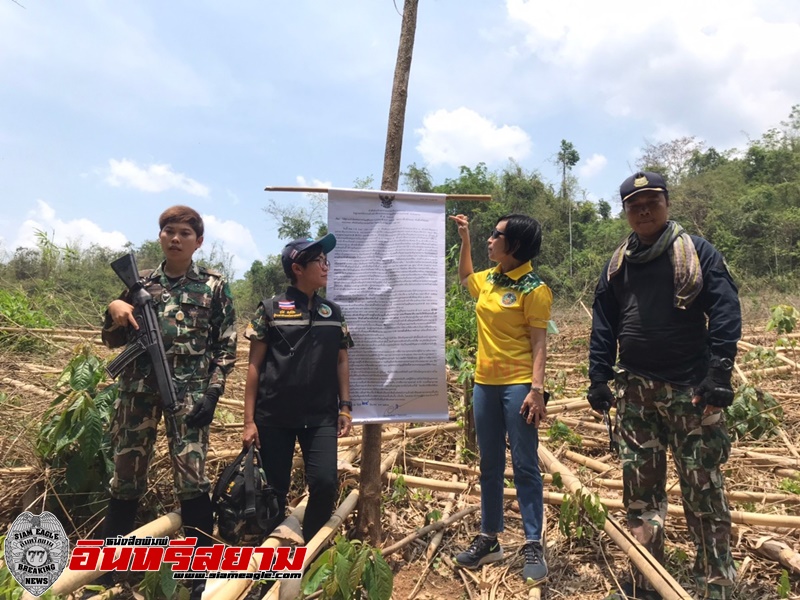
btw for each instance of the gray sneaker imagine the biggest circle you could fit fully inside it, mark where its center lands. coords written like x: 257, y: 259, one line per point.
x: 482, y: 550
x: 535, y: 568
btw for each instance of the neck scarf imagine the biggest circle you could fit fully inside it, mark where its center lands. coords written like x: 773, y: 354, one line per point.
x: 687, y: 275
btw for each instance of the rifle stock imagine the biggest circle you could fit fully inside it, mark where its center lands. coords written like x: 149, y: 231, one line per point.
x: 147, y: 338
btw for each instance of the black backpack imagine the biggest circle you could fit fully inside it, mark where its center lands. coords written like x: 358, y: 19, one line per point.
x: 245, y: 504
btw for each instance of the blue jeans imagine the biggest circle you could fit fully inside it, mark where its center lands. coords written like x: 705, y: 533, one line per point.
x: 497, y: 413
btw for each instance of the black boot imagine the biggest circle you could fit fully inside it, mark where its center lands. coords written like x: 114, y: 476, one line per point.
x: 197, y: 515
x: 119, y: 520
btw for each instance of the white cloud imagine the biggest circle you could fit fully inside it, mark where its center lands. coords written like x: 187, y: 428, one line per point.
x: 713, y: 68
x: 155, y: 178
x: 234, y: 238
x: 463, y: 137
x: 80, y: 232
x: 593, y: 165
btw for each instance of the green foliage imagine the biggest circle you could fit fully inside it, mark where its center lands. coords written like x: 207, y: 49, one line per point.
x: 560, y: 432
x: 784, y: 585
x: 399, y: 488
x: 73, y: 435
x: 161, y: 585
x: 348, y: 570
x: 16, y: 311
x: 579, y: 511
x: 789, y: 485
x: 783, y: 319
x: 754, y: 414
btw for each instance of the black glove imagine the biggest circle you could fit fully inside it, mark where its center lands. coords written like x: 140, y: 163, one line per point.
x: 600, y: 396
x: 716, y: 388
x: 203, y: 411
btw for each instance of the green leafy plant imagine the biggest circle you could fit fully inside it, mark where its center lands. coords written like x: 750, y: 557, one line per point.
x: 161, y: 585
x: 578, y: 511
x: 789, y: 485
x: 784, y: 586
x: 783, y: 319
x: 16, y: 310
x: 349, y: 570
x: 561, y: 432
x: 399, y: 488
x: 73, y: 436
x: 754, y: 413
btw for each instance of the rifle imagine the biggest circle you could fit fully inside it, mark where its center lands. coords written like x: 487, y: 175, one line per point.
x: 613, y: 445
x: 146, y: 339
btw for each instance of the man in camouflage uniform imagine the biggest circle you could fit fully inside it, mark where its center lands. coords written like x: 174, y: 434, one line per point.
x: 668, y: 301
x: 198, y: 326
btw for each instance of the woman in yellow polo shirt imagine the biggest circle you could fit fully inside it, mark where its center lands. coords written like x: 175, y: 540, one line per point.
x: 513, y: 308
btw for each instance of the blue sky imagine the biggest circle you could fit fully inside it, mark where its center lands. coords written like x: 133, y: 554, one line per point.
x: 114, y: 111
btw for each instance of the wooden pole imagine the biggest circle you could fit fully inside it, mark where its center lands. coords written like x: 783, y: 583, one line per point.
x: 320, y: 190
x: 368, y: 525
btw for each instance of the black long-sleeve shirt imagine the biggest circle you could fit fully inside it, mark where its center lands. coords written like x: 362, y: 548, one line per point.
x: 657, y: 340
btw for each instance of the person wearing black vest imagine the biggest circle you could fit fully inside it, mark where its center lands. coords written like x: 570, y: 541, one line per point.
x: 298, y: 381
x: 667, y: 301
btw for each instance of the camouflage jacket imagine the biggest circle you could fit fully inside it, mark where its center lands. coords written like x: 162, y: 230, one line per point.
x: 198, y: 326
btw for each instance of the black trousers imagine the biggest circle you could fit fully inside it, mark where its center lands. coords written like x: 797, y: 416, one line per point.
x: 319, y: 447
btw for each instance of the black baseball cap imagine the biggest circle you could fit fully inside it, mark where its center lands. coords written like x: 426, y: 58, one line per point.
x: 293, y: 249
x: 641, y: 182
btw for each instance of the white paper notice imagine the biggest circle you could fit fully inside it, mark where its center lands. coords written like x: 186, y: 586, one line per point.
x: 387, y: 274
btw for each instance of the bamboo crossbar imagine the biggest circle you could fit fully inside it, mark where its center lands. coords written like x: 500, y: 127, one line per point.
x: 322, y: 190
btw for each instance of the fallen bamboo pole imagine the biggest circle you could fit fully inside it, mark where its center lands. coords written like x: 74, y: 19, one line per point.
x: 556, y: 498
x: 69, y: 581
x: 614, y: 484
x: 435, y: 526
x: 26, y: 387
x: 655, y: 573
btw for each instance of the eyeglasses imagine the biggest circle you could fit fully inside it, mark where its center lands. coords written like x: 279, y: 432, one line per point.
x: 322, y: 261
x: 496, y: 233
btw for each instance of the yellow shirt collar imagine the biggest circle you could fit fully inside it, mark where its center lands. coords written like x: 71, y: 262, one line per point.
x: 517, y: 273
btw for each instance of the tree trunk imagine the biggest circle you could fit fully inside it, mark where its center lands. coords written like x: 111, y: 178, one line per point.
x: 368, y: 525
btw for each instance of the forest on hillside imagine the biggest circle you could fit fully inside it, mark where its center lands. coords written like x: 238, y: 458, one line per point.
x: 746, y: 201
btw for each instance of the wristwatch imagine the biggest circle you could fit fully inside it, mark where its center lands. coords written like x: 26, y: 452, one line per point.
x: 721, y: 363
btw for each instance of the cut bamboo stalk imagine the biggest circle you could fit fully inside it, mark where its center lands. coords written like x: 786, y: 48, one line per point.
x: 655, y: 573
x: 593, y: 464
x: 770, y: 371
x: 615, y: 484
x: 69, y: 581
x: 556, y: 409
x: 409, y: 433
x: 25, y: 387
x: 436, y: 540
x: 88, y: 332
x: 776, y: 551
x: 556, y: 498
x: 436, y: 526
x: 599, y: 427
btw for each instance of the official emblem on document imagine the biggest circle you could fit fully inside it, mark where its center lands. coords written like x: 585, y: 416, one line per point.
x: 324, y: 311
x: 386, y: 200
x: 36, y: 551
x: 508, y: 298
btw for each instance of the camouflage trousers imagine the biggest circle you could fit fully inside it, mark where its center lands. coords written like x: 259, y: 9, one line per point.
x: 651, y: 416
x: 133, y: 438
